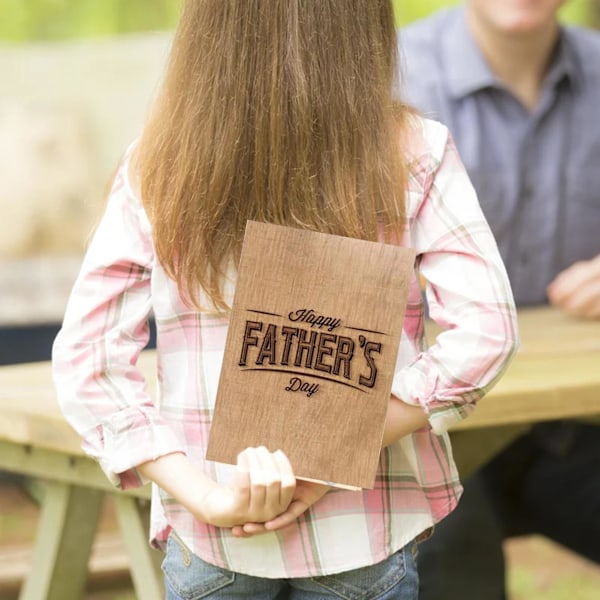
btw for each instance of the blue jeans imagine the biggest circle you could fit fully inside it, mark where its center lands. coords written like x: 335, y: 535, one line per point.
x: 188, y: 577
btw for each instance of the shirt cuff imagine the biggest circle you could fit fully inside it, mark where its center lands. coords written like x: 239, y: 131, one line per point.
x: 130, y: 438
x: 411, y: 387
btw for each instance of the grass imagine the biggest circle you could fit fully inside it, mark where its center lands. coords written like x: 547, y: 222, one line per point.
x: 575, y: 11
x: 35, y: 20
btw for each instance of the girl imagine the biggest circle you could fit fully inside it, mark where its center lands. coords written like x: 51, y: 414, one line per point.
x: 279, y: 111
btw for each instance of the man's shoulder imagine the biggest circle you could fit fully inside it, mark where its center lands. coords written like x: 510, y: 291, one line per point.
x: 424, y: 34
x: 420, y: 57
x: 587, y: 45
x: 584, y: 37
x: 584, y: 45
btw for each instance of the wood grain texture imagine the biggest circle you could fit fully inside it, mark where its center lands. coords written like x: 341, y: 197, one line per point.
x: 555, y: 375
x: 29, y: 411
x: 311, y: 350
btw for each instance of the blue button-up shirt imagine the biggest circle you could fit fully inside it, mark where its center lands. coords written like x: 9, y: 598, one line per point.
x: 537, y: 173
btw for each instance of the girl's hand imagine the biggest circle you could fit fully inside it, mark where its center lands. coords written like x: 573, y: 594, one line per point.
x: 305, y: 495
x: 261, y: 490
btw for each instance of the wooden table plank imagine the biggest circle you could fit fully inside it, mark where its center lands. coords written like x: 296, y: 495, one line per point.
x: 542, y: 388
x: 70, y: 469
x: 29, y: 411
x: 555, y: 375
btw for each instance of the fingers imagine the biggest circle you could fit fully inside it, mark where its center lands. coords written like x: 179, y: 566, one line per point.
x: 242, y: 479
x: 306, y: 493
x: 295, y: 509
x: 238, y: 532
x: 586, y: 303
x: 262, y: 479
x: 577, y: 289
x: 582, y: 302
x: 249, y: 530
x: 266, y: 483
x: 568, y: 281
x: 288, y: 480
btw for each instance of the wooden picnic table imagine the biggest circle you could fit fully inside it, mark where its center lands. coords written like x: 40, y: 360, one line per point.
x: 555, y: 375
x: 36, y: 441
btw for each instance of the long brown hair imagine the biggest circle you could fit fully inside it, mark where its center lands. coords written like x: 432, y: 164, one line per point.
x: 272, y: 110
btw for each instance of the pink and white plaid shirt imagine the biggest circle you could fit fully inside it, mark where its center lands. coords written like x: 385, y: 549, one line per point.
x: 104, y: 395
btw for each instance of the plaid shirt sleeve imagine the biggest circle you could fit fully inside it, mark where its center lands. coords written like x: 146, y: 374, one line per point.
x: 467, y: 289
x: 99, y: 389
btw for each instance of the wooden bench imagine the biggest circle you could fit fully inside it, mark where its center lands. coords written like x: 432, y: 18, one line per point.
x: 555, y: 375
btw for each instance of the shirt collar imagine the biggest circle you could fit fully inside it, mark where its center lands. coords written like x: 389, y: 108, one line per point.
x: 467, y: 70
x: 565, y: 64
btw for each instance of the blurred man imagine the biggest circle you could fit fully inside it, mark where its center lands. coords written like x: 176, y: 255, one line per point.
x: 521, y: 95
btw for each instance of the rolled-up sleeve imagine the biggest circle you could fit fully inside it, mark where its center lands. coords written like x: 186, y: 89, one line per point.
x: 468, y: 295
x: 99, y: 388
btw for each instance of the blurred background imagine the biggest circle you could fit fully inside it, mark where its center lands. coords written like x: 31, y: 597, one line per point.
x: 76, y: 81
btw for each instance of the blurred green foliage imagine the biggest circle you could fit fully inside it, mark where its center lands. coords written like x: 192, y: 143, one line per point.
x: 574, y: 11
x: 31, y: 20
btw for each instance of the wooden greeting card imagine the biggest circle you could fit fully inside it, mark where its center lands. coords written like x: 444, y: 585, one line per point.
x: 311, y: 350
